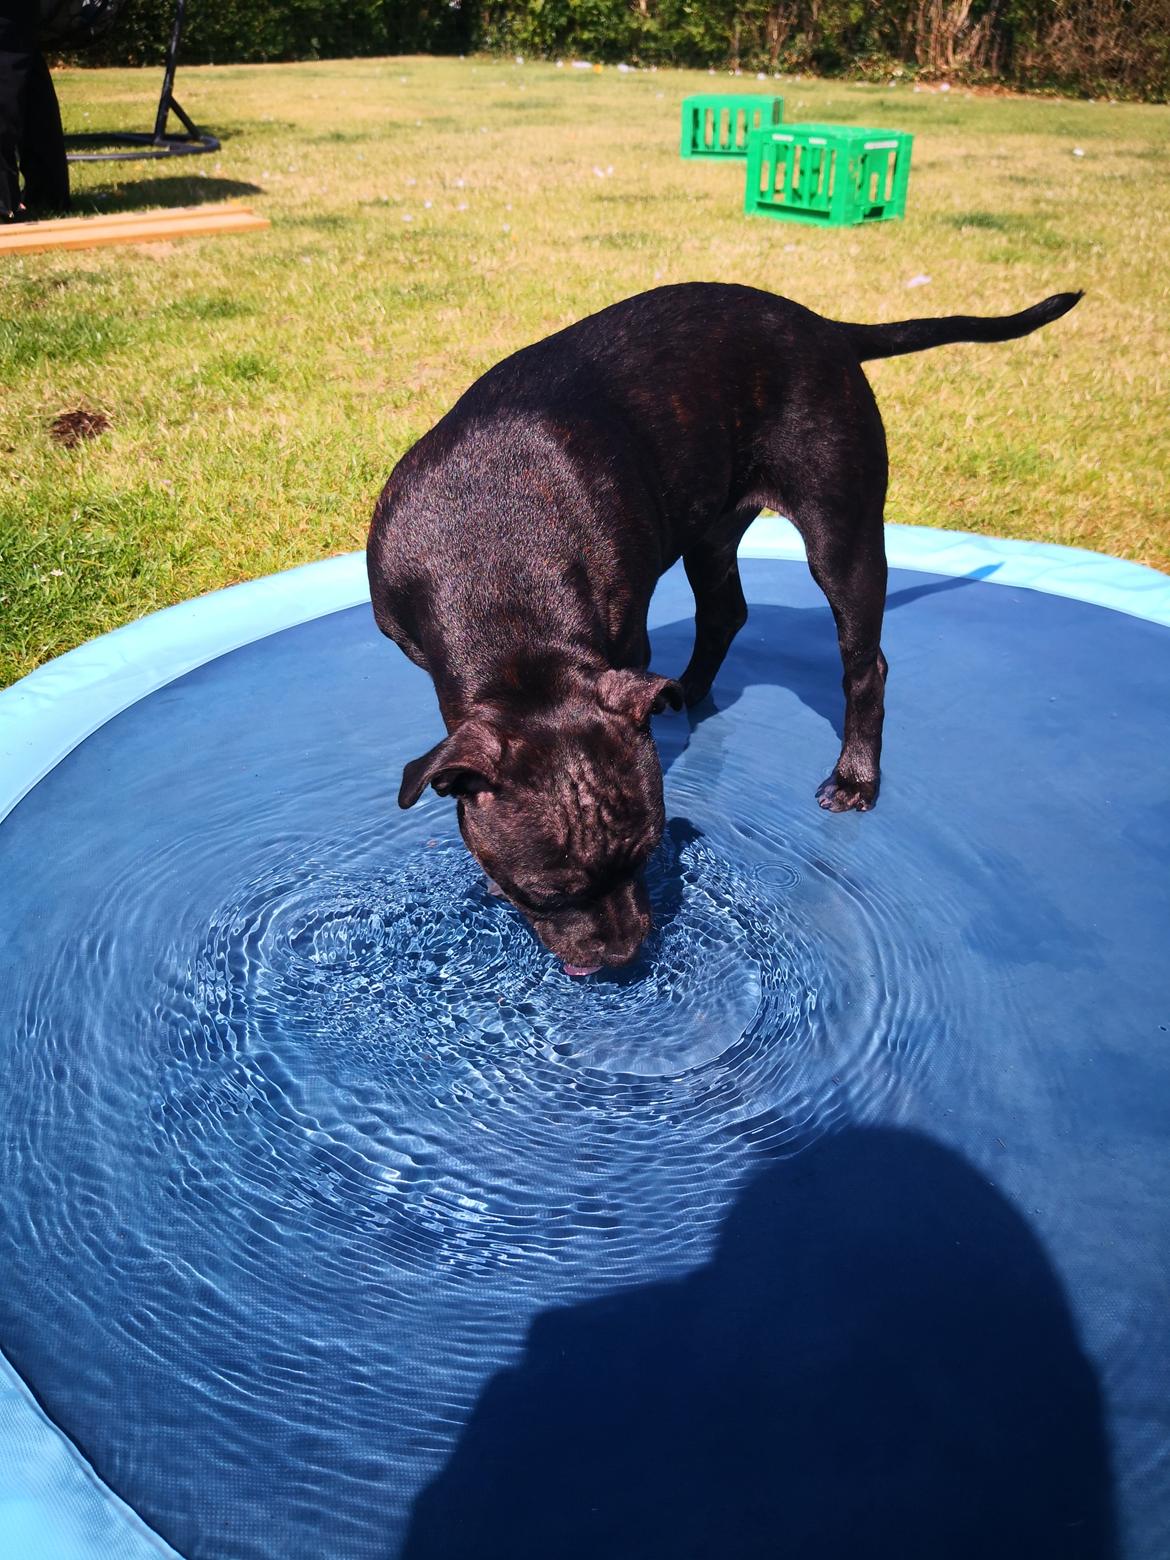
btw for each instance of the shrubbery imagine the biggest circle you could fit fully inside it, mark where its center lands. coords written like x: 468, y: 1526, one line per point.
x: 224, y: 31
x: 1100, y: 47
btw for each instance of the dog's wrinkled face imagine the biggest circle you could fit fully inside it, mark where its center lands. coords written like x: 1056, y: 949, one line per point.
x: 563, y: 814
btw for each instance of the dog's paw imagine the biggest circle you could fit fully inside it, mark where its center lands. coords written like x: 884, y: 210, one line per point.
x: 694, y: 692
x: 836, y: 794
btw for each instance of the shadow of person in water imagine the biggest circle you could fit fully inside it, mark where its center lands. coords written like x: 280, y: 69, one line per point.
x: 877, y: 1364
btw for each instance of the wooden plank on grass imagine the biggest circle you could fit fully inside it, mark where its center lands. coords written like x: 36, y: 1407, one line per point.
x: 127, y: 228
x: 107, y: 218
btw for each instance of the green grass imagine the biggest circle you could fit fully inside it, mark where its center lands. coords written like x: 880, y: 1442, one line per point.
x: 430, y: 216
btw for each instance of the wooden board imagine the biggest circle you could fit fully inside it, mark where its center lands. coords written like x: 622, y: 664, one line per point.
x: 128, y: 227
x: 108, y: 218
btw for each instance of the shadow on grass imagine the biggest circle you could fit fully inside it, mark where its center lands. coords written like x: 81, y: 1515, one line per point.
x: 131, y: 194
x: 878, y: 1361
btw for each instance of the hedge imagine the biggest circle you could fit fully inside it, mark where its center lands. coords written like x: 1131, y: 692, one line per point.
x: 1098, y: 47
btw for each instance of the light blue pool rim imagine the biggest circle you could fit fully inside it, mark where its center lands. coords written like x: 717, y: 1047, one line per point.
x: 45, y: 715
x: 52, y: 1505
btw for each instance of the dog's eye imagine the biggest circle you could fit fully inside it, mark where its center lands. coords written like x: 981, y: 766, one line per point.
x: 548, y: 898
x: 537, y: 898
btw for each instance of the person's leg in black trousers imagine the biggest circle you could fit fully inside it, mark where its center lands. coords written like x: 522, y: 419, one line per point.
x: 15, y: 44
x: 43, y: 164
x: 32, y: 145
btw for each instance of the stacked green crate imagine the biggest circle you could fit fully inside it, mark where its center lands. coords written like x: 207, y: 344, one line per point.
x: 718, y: 124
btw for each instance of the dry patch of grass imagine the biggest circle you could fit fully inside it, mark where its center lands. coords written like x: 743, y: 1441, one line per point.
x: 70, y: 428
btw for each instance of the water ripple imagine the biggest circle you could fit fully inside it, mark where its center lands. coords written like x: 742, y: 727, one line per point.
x: 391, y: 1054
x: 321, y: 1126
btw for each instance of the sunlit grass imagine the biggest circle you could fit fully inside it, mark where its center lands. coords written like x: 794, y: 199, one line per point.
x: 429, y: 216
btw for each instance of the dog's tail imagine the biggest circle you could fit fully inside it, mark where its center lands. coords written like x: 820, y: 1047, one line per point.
x: 883, y: 341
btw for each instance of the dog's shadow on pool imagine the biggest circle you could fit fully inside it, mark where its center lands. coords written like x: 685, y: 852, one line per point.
x: 793, y: 647
x: 878, y: 1363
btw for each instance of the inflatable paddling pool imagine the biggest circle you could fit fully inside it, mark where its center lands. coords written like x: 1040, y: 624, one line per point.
x: 337, y: 1221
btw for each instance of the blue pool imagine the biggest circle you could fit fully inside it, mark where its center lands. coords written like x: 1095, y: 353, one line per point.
x: 337, y: 1221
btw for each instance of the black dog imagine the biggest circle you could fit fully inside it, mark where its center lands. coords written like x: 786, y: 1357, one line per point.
x: 514, y: 550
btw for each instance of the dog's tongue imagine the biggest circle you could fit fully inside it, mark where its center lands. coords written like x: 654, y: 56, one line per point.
x: 582, y: 969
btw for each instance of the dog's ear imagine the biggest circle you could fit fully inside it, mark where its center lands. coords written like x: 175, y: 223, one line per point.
x: 637, y: 695
x: 466, y: 761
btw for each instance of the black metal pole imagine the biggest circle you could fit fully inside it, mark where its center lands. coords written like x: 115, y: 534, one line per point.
x: 168, y: 86
x: 159, y: 143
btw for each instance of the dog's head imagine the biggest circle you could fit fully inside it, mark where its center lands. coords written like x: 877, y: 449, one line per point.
x: 562, y: 810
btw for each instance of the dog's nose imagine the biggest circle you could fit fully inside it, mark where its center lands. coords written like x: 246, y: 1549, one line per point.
x: 623, y: 952
x: 610, y: 956
x: 616, y: 958
x: 611, y: 938
x: 609, y: 961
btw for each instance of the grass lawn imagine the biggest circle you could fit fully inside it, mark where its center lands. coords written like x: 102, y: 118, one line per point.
x: 428, y: 216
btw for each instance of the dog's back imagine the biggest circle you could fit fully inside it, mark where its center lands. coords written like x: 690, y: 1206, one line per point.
x: 515, y: 548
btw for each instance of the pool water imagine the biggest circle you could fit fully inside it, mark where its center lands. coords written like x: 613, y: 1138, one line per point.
x: 340, y: 1221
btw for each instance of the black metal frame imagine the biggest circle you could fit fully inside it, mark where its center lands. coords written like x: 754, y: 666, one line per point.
x: 156, y: 143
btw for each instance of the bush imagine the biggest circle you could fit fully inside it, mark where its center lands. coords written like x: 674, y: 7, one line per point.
x: 226, y: 31
x: 1101, y: 47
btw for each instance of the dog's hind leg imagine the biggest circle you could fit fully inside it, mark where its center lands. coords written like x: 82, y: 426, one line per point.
x: 720, y: 608
x: 848, y: 561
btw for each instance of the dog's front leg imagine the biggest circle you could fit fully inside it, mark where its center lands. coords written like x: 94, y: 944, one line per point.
x: 720, y: 608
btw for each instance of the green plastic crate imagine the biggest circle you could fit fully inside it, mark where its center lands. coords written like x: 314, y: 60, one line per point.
x: 717, y: 124
x: 834, y: 175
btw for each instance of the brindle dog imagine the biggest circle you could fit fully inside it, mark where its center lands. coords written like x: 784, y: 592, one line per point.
x: 514, y: 550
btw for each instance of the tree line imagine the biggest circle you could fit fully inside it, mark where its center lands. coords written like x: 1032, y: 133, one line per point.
x: 1102, y: 48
